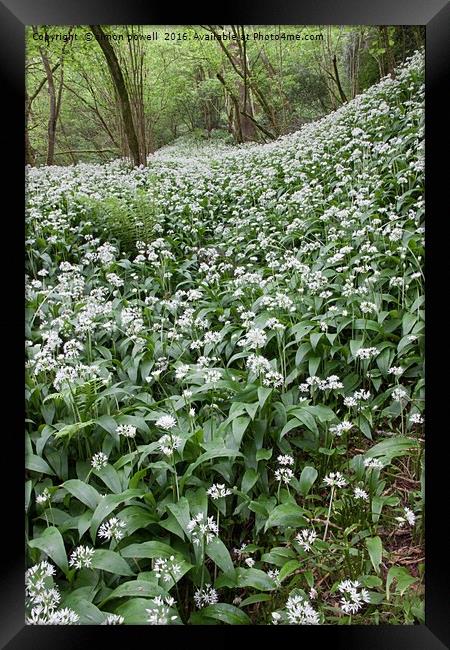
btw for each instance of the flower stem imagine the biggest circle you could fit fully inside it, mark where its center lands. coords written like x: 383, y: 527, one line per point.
x: 329, y: 513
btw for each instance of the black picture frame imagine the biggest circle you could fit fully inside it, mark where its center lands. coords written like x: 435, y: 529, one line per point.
x: 14, y: 16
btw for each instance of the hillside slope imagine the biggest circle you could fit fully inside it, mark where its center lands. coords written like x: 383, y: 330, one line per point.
x: 233, y: 332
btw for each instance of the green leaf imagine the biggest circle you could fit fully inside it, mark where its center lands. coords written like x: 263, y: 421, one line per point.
x: 110, y: 478
x: 305, y: 416
x: 83, y: 492
x: 375, y: 548
x: 111, y: 561
x: 249, y: 479
x: 288, y: 568
x: 52, y: 543
x: 315, y: 338
x: 148, y: 550
x: 180, y: 511
x: 286, y: 514
x: 136, y: 517
x: 292, y: 424
x: 225, y: 613
x: 355, y: 344
x: 37, y: 464
x: 402, y: 576
x: 138, y: 588
x: 108, y: 424
x: 254, y: 578
x: 238, y: 428
x: 263, y: 454
x: 89, y: 614
x: 307, y: 479
x: 71, y: 429
x: 218, y: 552
x: 392, y: 447
x: 218, y: 452
x: 263, y: 394
x: 108, y: 504
x: 256, y: 598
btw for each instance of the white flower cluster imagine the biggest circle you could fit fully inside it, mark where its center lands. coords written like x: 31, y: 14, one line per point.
x: 112, y: 529
x: 218, y: 491
x: 409, y: 518
x: 261, y: 366
x: 167, y: 569
x: 283, y: 472
x: 160, y: 612
x: 166, y: 422
x: 373, y: 463
x: 168, y: 443
x: 366, y: 353
x: 202, y: 529
x: 329, y: 383
x: 43, y: 598
x: 342, y: 427
x: 335, y: 479
x: 298, y: 611
x: 353, y: 596
x: 206, y: 596
x: 99, y: 460
x: 81, y: 557
x: 126, y: 430
x: 113, y: 619
x: 306, y: 538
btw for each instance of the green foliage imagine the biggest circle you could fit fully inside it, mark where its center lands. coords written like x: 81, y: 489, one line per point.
x: 224, y: 403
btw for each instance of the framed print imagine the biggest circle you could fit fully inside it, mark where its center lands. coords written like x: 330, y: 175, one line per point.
x: 226, y: 323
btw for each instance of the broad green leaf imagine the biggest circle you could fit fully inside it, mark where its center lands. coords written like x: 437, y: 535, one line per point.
x: 263, y: 454
x: 288, y: 568
x: 375, y: 548
x: 52, y: 543
x: 249, y: 479
x: 89, y: 614
x: 403, y: 578
x: 148, y: 550
x: 83, y: 492
x: 238, y: 427
x: 138, y: 588
x: 136, y: 517
x: 254, y: 578
x: 218, y: 552
x: 307, y: 479
x: 225, y: 613
x: 111, y: 561
x: 110, y: 478
x: 38, y: 464
x: 71, y: 429
x: 256, y: 598
x: 263, y: 394
x: 180, y: 511
x: 392, y: 448
x: 286, y: 514
x: 219, y: 452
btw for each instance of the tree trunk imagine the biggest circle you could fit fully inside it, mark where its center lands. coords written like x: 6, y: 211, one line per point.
x: 51, y: 129
x: 338, y: 81
x: 390, y: 61
x: 119, y: 83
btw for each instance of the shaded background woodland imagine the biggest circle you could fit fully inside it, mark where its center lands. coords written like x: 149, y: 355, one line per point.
x: 107, y: 98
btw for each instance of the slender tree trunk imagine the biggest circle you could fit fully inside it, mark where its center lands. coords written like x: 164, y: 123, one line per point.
x: 338, y: 81
x: 29, y: 153
x: 124, y: 101
x: 51, y: 128
x: 390, y: 61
